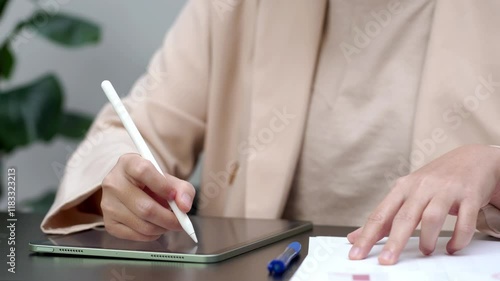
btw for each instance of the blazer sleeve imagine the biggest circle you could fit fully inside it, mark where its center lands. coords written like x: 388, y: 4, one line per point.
x: 168, y: 105
x: 488, y: 220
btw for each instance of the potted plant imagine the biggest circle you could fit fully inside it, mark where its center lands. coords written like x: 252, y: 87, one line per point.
x: 34, y: 111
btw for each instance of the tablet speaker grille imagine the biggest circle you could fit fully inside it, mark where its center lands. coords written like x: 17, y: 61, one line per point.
x: 167, y: 257
x: 71, y: 250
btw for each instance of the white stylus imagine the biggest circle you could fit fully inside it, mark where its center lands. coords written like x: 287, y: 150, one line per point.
x: 134, y: 133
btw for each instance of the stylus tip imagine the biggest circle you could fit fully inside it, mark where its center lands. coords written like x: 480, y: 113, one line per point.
x: 193, y: 236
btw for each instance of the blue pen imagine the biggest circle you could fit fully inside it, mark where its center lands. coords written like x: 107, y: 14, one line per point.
x: 281, y: 263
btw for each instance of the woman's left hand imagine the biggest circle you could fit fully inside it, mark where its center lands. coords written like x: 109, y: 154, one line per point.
x: 458, y: 183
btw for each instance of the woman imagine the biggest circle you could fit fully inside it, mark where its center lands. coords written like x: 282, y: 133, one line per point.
x: 307, y: 110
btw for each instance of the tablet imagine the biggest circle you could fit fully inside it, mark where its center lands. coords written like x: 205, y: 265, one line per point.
x: 219, y: 239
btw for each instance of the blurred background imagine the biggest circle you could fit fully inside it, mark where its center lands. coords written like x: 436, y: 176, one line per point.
x: 129, y: 33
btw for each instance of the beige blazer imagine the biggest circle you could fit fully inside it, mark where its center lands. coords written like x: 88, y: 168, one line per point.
x: 233, y: 79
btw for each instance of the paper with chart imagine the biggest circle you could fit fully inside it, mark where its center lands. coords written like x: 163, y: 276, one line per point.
x: 327, y: 261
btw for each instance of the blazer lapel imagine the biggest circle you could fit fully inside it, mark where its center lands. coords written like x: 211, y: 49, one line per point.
x: 287, y: 41
x: 459, y: 96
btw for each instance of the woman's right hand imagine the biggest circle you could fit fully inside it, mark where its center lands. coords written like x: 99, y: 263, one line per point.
x: 134, y: 199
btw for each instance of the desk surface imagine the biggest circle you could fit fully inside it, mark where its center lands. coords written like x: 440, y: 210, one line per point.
x: 29, y: 266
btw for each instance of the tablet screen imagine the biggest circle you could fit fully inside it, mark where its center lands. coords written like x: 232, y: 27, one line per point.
x: 215, y: 235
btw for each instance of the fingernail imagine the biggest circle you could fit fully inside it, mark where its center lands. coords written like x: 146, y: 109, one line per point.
x: 186, y: 200
x: 386, y: 255
x: 355, y: 253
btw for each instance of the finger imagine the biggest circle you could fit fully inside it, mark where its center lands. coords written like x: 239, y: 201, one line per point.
x: 145, y: 207
x: 185, y: 194
x: 149, y: 210
x: 353, y: 236
x: 122, y: 215
x: 403, y: 225
x: 124, y: 232
x: 378, y: 225
x: 432, y: 221
x: 142, y: 173
x: 161, y: 201
x: 464, y: 227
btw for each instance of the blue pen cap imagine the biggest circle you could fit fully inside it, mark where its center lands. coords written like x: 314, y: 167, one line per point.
x: 281, y: 263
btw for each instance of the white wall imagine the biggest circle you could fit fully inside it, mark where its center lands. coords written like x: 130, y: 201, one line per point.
x: 131, y: 32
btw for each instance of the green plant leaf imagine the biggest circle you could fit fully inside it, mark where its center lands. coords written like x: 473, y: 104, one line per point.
x: 7, y: 61
x: 3, y: 5
x: 30, y: 113
x: 74, y: 125
x: 66, y: 30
